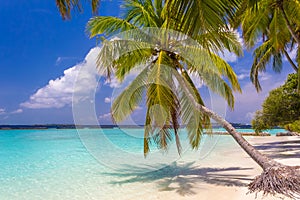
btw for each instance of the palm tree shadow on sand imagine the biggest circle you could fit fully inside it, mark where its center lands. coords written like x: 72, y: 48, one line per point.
x: 182, y: 178
x: 281, y: 149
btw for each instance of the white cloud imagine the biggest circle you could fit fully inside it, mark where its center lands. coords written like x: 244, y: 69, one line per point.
x: 228, y: 56
x: 2, y: 111
x: 250, y: 115
x: 58, y: 92
x: 105, y: 116
x: 17, y: 111
x: 242, y: 76
x: 139, y: 108
x: 113, y: 82
x: 264, y: 76
x: 107, y: 100
x: 250, y: 100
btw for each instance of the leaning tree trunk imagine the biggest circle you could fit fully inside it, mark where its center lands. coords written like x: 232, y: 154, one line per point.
x: 276, y: 178
x: 290, y: 61
x: 289, y: 26
x: 294, y: 35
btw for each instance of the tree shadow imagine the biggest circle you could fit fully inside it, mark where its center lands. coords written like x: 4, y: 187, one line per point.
x: 182, y: 178
x: 282, y: 149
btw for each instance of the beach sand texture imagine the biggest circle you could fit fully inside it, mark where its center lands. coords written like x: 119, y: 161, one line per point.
x: 220, y: 176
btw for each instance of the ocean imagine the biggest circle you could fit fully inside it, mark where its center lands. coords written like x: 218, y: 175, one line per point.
x: 92, y: 163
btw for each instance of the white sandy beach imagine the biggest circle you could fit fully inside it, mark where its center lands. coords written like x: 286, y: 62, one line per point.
x: 222, y: 175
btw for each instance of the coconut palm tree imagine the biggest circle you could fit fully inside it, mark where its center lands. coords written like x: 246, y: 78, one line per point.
x: 168, y: 58
x: 65, y: 7
x: 155, y: 49
x: 277, y: 23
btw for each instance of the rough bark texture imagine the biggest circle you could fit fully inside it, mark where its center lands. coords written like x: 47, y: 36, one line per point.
x: 278, y: 180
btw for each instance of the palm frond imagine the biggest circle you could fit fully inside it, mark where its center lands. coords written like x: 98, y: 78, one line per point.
x: 65, y: 7
x: 254, y: 23
x: 116, y: 52
x: 126, y: 62
x: 220, y: 40
x: 162, y: 103
x: 107, y: 25
x: 195, y: 120
x: 262, y: 56
x: 210, y: 68
x: 279, y: 35
x: 226, y: 70
x: 204, y: 15
x: 141, y: 13
x: 130, y: 98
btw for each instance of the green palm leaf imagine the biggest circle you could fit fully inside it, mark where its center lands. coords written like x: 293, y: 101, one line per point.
x: 108, y: 25
x: 160, y: 54
x: 141, y: 13
x: 65, y: 7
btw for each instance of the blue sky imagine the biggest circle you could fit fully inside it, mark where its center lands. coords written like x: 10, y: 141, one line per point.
x: 39, y: 53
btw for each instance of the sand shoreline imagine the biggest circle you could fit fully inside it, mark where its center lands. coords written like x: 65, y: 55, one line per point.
x: 225, y: 179
x: 284, y: 149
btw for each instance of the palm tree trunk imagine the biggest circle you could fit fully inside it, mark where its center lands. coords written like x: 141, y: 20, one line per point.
x: 258, y: 157
x: 262, y: 160
x: 290, y: 60
x: 276, y: 178
x: 294, y: 35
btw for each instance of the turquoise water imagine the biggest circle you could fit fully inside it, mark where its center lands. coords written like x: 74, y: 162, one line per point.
x: 64, y: 164
x: 271, y: 131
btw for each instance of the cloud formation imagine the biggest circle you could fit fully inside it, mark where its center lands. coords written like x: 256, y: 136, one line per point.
x: 17, y: 111
x: 250, y: 100
x: 58, y: 92
x: 242, y: 76
x: 105, y: 116
x: 229, y: 57
x: 107, y: 100
x: 2, y: 111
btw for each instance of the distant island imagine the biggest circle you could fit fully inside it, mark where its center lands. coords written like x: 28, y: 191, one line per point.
x: 73, y: 126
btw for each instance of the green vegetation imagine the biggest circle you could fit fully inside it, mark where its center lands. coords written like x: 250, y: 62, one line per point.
x: 281, y: 108
x: 276, y: 23
x: 169, y: 58
x: 66, y: 6
x: 155, y: 49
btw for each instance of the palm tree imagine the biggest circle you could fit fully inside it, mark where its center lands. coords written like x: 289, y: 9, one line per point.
x: 277, y: 22
x: 65, y: 7
x: 155, y: 48
x: 167, y: 58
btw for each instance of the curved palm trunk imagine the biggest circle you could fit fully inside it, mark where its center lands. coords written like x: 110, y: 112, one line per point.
x: 275, y: 178
x: 258, y: 157
x: 290, y: 60
x: 294, y: 35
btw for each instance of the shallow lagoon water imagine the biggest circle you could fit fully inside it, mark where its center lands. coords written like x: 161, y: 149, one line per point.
x: 91, y: 164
